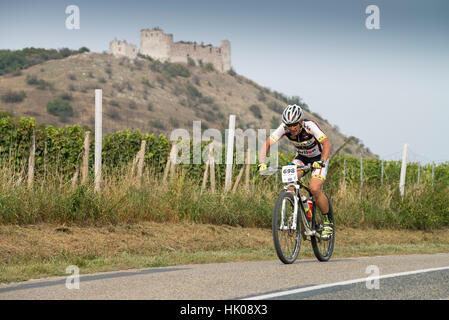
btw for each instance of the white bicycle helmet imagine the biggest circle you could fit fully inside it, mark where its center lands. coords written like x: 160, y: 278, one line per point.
x: 292, y: 114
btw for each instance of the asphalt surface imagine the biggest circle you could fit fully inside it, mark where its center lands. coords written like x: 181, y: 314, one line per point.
x: 383, y: 277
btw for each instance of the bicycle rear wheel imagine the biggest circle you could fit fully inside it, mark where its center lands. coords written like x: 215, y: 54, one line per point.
x: 286, y: 236
x: 323, y: 249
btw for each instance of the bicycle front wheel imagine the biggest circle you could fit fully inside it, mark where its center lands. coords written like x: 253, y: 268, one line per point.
x: 286, y: 232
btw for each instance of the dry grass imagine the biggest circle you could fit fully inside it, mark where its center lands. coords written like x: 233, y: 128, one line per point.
x: 43, y: 250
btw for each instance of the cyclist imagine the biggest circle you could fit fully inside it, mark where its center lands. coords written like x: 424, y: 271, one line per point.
x: 312, y: 146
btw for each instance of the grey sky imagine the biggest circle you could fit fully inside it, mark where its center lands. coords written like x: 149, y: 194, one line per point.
x: 387, y: 87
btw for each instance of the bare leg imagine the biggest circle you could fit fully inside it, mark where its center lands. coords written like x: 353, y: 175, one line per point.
x: 320, y: 198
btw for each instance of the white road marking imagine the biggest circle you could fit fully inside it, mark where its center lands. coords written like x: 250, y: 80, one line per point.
x: 343, y: 283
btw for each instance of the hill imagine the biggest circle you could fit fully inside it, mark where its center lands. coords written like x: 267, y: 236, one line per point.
x: 150, y: 96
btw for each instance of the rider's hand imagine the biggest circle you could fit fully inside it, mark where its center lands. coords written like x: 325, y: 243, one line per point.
x: 262, y: 167
x: 319, y: 164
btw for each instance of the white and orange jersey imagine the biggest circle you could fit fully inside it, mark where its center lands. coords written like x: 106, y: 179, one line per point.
x: 307, y: 142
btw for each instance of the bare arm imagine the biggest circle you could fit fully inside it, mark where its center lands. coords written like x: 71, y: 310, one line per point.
x: 327, y: 146
x: 264, y: 150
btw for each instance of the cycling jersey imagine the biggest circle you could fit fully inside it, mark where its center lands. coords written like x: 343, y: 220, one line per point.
x: 307, y: 142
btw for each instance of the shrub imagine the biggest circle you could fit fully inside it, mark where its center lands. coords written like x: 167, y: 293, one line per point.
x: 13, y: 96
x: 196, y: 80
x: 114, y: 103
x: 256, y: 111
x: 138, y: 64
x: 132, y: 105
x: 209, y: 67
x: 191, y: 62
x: 119, y: 86
x: 128, y: 85
x: 113, y: 114
x: 59, y: 107
x: 83, y: 49
x: 161, y: 81
x: 156, y: 66
x: 65, y: 52
x: 156, y: 123
x: 274, y: 122
x: 297, y: 100
x: 44, y: 85
x: 145, y: 57
x: 147, y: 83
x: 192, y: 91
x: 108, y: 70
x: 31, y: 80
x: 175, y: 69
x: 34, y: 81
x: 232, y: 72
x: 177, y: 91
x: 174, y: 122
x: 207, y: 100
x: 66, y: 96
x: 276, y: 107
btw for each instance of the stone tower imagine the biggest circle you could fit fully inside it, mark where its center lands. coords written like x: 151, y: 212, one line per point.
x: 226, y: 54
x: 156, y: 44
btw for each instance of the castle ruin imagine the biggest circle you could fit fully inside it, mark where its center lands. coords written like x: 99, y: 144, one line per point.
x: 158, y: 45
x: 120, y: 48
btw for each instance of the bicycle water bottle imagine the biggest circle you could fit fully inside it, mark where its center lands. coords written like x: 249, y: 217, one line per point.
x: 307, y: 207
x: 310, y: 203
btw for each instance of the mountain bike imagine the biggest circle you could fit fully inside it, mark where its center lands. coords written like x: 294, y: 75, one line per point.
x: 290, y: 222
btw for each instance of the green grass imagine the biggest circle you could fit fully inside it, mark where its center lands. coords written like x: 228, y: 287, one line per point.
x: 56, y: 200
x: 424, y: 208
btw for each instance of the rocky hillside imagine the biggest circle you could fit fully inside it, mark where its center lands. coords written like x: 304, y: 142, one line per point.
x: 148, y: 95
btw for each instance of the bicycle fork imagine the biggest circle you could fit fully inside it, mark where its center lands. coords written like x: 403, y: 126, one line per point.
x: 283, y: 225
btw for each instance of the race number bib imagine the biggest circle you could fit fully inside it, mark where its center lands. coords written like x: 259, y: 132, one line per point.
x: 289, y: 174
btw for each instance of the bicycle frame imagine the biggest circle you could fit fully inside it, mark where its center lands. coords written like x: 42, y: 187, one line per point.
x: 307, y: 226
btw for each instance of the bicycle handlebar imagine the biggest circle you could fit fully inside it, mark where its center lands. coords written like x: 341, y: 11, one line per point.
x: 272, y: 170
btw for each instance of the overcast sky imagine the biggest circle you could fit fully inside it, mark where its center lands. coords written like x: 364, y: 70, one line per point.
x: 386, y: 86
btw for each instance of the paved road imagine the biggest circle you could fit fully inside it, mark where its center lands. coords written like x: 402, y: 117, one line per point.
x: 383, y: 277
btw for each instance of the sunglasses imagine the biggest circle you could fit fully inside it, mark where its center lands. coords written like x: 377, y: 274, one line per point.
x: 291, y: 126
